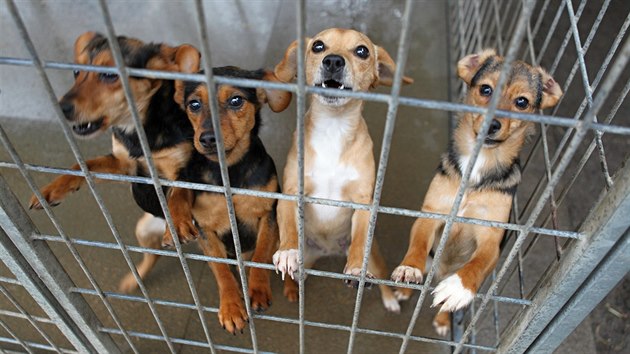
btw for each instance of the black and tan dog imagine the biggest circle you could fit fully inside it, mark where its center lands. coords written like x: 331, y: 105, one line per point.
x: 249, y: 167
x: 472, y: 251
x: 338, y: 161
x: 96, y: 102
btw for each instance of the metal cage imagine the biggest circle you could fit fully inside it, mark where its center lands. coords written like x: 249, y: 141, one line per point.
x: 522, y: 307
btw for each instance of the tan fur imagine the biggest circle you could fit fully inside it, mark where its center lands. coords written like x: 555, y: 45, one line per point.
x: 355, y: 144
x: 472, y: 251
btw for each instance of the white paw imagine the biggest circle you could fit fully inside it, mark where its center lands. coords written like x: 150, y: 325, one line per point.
x: 441, y: 329
x: 403, y: 294
x: 286, y: 262
x: 407, y: 274
x: 391, y: 304
x: 452, y: 294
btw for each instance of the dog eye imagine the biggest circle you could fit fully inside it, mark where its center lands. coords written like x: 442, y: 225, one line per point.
x: 521, y: 102
x: 108, y: 77
x: 485, y: 90
x: 362, y: 52
x: 76, y: 73
x: 194, y: 105
x: 236, y: 102
x: 318, y: 47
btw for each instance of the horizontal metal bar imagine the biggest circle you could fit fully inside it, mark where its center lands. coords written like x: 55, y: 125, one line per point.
x: 287, y: 320
x: 35, y: 345
x: 312, y: 200
x: 25, y: 317
x: 366, y: 96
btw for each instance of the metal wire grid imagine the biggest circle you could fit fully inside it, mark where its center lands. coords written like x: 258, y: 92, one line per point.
x: 473, y: 17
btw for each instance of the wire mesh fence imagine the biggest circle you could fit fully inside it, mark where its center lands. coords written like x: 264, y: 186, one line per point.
x: 513, y: 308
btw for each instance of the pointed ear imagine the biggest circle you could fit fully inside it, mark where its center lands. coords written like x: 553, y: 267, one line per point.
x: 551, y: 90
x: 278, y: 100
x: 468, y: 66
x: 387, y: 69
x: 286, y: 70
x: 80, y: 56
x: 186, y: 59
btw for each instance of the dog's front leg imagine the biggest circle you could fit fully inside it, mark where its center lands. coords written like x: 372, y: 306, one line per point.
x: 232, y: 312
x: 286, y: 258
x: 360, y: 224
x: 56, y: 191
x: 180, y: 204
x: 259, y: 286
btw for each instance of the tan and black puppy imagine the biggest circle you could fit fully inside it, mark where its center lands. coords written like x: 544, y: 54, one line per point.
x: 472, y: 251
x: 249, y: 167
x: 339, y: 163
x: 96, y: 102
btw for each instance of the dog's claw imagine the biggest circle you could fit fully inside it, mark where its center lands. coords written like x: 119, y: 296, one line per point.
x: 286, y: 262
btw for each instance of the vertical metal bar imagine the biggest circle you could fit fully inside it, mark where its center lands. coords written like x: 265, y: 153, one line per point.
x: 47, y: 298
x: 601, y: 281
x: 301, y: 109
x: 28, y: 317
x: 12, y: 334
x: 401, y: 60
x: 515, y: 41
x: 581, y: 131
x: 603, y: 227
x: 216, y: 125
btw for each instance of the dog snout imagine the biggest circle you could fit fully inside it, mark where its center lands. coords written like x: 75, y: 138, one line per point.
x: 333, y: 63
x: 207, y: 139
x: 67, y: 108
x: 495, y: 126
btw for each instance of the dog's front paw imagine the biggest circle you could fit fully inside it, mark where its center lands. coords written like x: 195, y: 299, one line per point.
x: 452, y: 294
x: 286, y: 262
x: 403, y: 294
x: 56, y: 191
x: 407, y: 274
x: 232, y: 315
x: 442, y: 323
x: 128, y: 284
x: 186, y: 231
x: 260, y: 295
x: 291, y: 290
x: 357, y: 273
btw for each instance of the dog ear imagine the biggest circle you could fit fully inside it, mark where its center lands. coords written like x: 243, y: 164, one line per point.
x: 468, y: 66
x: 187, y: 59
x: 80, y: 56
x: 286, y: 70
x: 551, y: 90
x: 387, y: 69
x: 278, y: 100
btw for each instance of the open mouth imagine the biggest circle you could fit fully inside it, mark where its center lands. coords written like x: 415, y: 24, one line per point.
x: 334, y: 84
x: 88, y: 128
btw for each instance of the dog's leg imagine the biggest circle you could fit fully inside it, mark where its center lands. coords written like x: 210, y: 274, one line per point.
x: 378, y: 267
x: 291, y: 288
x: 56, y: 191
x: 286, y: 258
x: 360, y: 221
x: 232, y: 313
x: 458, y: 290
x: 149, y: 231
x: 442, y: 323
x: 259, y: 286
x: 412, y: 267
x: 180, y: 203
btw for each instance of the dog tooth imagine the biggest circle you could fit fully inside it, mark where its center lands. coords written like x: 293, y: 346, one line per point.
x: 89, y: 125
x: 342, y: 87
x: 324, y: 85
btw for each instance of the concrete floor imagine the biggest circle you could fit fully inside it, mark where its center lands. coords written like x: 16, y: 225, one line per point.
x: 256, y: 34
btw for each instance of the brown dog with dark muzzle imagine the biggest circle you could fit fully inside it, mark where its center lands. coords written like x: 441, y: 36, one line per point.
x: 472, y: 251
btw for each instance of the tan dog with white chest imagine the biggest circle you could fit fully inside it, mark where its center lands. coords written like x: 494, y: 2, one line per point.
x: 339, y: 163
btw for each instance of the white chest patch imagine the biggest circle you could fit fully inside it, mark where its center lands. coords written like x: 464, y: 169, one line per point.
x: 475, y: 175
x: 328, y: 174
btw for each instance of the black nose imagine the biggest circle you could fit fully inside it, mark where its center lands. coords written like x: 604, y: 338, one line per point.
x: 495, y: 126
x: 67, y: 108
x: 207, y: 139
x: 333, y: 63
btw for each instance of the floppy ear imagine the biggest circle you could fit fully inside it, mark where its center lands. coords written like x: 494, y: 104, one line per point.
x: 468, y: 66
x: 278, y: 100
x: 551, y: 90
x: 187, y: 59
x: 80, y: 56
x: 286, y: 70
x: 387, y: 69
